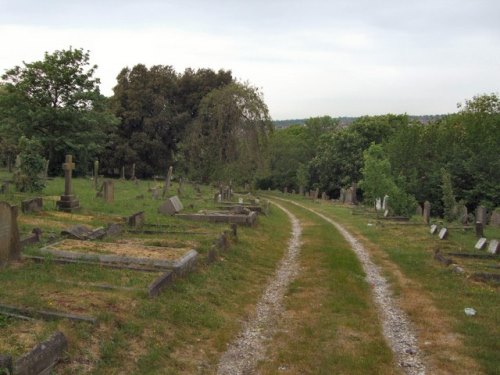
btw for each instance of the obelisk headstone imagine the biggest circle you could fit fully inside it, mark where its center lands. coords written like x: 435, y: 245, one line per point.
x: 10, y: 248
x: 68, y: 201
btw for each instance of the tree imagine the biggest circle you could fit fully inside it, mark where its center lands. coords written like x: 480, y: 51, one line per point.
x: 378, y: 181
x: 56, y: 100
x: 27, y: 178
x: 229, y: 138
x: 449, y: 202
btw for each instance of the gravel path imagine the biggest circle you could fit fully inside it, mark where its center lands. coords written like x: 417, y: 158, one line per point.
x: 396, y: 325
x: 243, y: 354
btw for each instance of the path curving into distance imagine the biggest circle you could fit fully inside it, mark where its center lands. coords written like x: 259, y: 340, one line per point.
x: 243, y: 354
x: 396, y: 326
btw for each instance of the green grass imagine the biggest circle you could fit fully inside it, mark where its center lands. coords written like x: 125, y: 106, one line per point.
x: 411, y: 249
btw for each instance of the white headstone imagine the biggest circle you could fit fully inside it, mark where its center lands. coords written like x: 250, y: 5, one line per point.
x: 384, y: 203
x: 386, y: 213
x: 378, y: 204
x: 443, y: 233
x: 493, y: 247
x: 480, y: 243
x: 434, y: 228
x: 240, y: 200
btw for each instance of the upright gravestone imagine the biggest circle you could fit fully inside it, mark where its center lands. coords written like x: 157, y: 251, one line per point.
x: 385, y: 202
x: 179, y: 189
x: 32, y: 205
x: 443, y: 233
x: 166, y: 186
x: 133, y: 172
x: 109, y: 191
x: 323, y: 196
x: 418, y: 211
x: 354, y: 190
x: 342, y: 195
x: 481, y: 215
x: 68, y: 201
x: 433, y: 229
x: 122, y: 177
x: 479, y: 229
x: 96, y: 174
x: 378, y: 204
x: 316, y: 194
x: 10, y: 248
x: 348, y: 196
x: 285, y: 190
x: 495, y: 218
x: 427, y: 212
x: 46, y: 170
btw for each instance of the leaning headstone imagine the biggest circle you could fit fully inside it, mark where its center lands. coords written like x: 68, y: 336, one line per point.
x: 493, y: 247
x: 481, y: 215
x: 171, y: 206
x: 427, y: 212
x: 495, y: 218
x: 433, y: 229
x: 480, y: 243
x: 419, y: 211
x: 378, y: 204
x: 109, y: 191
x: 10, y: 248
x: 68, y: 201
x: 32, y: 205
x: 443, y: 233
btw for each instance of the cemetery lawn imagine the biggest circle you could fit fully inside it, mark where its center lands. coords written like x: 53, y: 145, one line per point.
x: 433, y: 295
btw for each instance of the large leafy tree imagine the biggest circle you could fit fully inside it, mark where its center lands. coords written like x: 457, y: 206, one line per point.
x: 57, y: 101
x: 229, y: 138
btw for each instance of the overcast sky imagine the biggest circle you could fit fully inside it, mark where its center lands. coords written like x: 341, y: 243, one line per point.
x: 310, y: 58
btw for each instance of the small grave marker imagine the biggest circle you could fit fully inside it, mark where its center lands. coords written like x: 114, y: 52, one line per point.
x: 480, y: 243
x: 419, y: 211
x: 495, y: 218
x: 32, y: 205
x: 171, y: 206
x: 427, y: 212
x: 443, y: 233
x: 493, y: 247
x: 481, y: 215
x: 434, y: 228
x: 136, y: 220
x: 109, y: 191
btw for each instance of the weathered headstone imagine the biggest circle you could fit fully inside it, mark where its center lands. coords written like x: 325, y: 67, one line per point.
x: 348, y: 196
x: 122, y: 177
x: 324, y: 196
x: 480, y: 243
x: 133, y: 172
x: 419, y: 211
x: 109, y: 191
x: 171, y: 206
x: 493, y: 247
x: 316, y: 194
x: 386, y: 213
x: 68, y: 201
x: 433, y: 229
x: 495, y: 218
x: 136, y: 220
x: 378, y: 204
x: 179, y: 190
x: 168, y: 179
x: 32, y: 205
x: 10, y: 248
x: 427, y: 212
x: 481, y: 215
x: 443, y: 233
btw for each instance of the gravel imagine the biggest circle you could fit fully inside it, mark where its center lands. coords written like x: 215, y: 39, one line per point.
x: 249, y: 348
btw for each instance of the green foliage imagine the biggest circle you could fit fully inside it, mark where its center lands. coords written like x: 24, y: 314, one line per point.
x: 230, y: 136
x: 378, y: 181
x: 56, y: 100
x: 28, y: 178
x: 449, y: 202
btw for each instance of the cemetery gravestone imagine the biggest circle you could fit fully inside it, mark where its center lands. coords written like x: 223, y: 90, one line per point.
x: 479, y: 229
x: 324, y: 196
x: 68, y: 201
x: 348, y: 196
x: 133, y: 172
x: 10, y: 248
x: 493, y: 247
x: 285, y: 190
x: 378, y: 204
x: 32, y: 205
x: 354, y: 191
x: 443, y: 233
x: 427, y: 212
x: 301, y: 190
x: 172, y: 206
x: 384, y: 202
x: 316, y: 194
x: 495, y: 218
x: 109, y: 191
x: 433, y: 228
x: 123, y: 173
x: 96, y: 174
x: 136, y: 220
x: 419, y: 211
x: 166, y: 186
x: 481, y: 215
x: 480, y: 243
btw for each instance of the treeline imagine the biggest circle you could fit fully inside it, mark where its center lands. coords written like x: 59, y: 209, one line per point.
x: 203, y: 122
x: 407, y: 157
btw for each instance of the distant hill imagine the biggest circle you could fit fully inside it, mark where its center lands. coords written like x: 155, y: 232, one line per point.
x: 345, y: 121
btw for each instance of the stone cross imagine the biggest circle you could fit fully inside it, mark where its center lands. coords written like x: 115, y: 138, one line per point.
x: 68, y: 167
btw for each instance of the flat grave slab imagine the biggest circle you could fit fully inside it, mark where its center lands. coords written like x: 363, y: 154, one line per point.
x: 222, y: 217
x: 109, y: 252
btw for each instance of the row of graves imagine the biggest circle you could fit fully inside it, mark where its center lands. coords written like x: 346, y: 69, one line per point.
x: 347, y: 195
x: 78, y: 260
